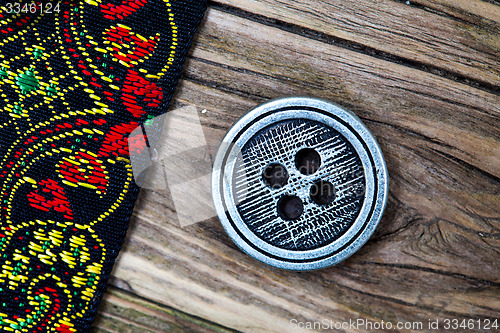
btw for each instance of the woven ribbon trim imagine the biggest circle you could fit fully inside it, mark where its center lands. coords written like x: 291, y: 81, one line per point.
x: 75, y: 80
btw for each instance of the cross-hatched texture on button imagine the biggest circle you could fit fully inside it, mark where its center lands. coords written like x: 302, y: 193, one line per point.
x: 319, y: 224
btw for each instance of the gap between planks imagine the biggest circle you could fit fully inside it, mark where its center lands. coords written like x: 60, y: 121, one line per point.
x: 462, y: 52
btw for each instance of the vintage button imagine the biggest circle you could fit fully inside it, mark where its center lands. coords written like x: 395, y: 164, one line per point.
x: 299, y: 183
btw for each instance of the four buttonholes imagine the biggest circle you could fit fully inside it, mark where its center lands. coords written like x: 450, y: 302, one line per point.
x: 307, y: 162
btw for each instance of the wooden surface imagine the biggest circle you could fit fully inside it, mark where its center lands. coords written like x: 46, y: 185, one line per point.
x: 424, y: 76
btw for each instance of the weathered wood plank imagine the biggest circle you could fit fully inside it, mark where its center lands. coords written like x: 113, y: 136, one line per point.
x: 479, y: 12
x: 276, y: 63
x: 435, y: 254
x: 393, y: 28
x: 197, y: 269
x: 122, y: 312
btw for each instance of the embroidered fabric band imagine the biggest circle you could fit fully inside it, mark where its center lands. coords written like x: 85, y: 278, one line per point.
x: 76, y: 78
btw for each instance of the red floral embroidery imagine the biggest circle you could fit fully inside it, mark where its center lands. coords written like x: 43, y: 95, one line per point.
x: 52, y: 196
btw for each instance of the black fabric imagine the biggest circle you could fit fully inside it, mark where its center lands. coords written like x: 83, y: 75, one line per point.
x: 74, y: 85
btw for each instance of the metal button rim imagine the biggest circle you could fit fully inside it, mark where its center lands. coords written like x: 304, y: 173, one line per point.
x: 351, y: 127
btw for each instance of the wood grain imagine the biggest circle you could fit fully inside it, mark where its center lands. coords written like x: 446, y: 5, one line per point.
x: 435, y: 253
x: 122, y: 312
x: 479, y: 12
x: 397, y: 31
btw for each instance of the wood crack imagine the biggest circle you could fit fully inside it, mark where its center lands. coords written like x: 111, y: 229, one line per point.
x: 447, y: 15
x: 356, y: 47
x: 434, y: 271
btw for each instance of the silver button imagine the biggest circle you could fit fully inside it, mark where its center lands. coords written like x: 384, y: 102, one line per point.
x: 299, y: 183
